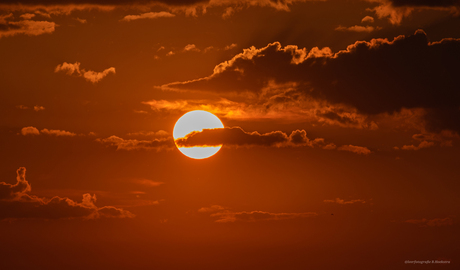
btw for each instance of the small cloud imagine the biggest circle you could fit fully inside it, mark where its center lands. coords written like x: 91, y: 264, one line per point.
x: 22, y: 107
x: 228, y: 13
x: 212, y: 208
x: 34, y: 131
x: 170, y: 53
x: 56, y: 132
x: 149, y: 15
x: 38, y: 108
x: 424, y: 144
x: 160, y: 133
x: 367, y: 19
x: 89, y: 75
x: 148, y: 182
x: 231, y: 46
x: 357, y: 28
x: 355, y: 149
x: 341, y: 201
x: 83, y: 21
x: 191, y: 47
x: 140, y: 111
x: 27, y: 16
x: 207, y: 49
x: 330, y: 146
x: 29, y: 131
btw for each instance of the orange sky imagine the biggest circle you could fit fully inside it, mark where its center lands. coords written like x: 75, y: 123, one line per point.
x: 340, y: 147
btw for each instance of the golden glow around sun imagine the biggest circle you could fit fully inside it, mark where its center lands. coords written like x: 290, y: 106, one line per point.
x: 196, y: 121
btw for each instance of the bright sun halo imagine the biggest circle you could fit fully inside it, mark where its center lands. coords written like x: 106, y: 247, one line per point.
x: 196, y: 121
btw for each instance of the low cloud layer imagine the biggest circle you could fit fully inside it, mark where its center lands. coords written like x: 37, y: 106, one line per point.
x: 16, y: 202
x: 89, y: 75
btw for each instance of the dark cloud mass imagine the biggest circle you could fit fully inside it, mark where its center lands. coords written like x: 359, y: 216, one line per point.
x: 375, y: 77
x: 236, y: 136
x: 16, y: 202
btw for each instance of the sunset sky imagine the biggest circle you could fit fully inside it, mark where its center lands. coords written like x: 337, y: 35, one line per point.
x: 341, y: 143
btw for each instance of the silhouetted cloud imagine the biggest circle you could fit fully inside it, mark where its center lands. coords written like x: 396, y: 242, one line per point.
x: 375, y: 77
x: 237, y: 137
x: 89, y: 75
x: 16, y: 202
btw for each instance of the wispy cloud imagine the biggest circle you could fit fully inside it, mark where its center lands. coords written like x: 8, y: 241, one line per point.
x: 89, y: 75
x: 149, y: 15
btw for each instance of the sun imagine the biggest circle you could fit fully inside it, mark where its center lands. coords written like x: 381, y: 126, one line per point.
x: 196, y: 121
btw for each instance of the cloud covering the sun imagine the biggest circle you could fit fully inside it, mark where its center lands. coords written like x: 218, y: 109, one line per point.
x: 16, y: 202
x: 89, y: 75
x: 237, y: 137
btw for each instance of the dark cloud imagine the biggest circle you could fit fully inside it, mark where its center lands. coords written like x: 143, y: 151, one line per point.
x: 425, y: 3
x: 237, y: 137
x: 375, y: 77
x: 16, y: 202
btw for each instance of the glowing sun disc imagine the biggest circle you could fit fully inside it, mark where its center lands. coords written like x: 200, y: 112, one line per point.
x: 196, y: 121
